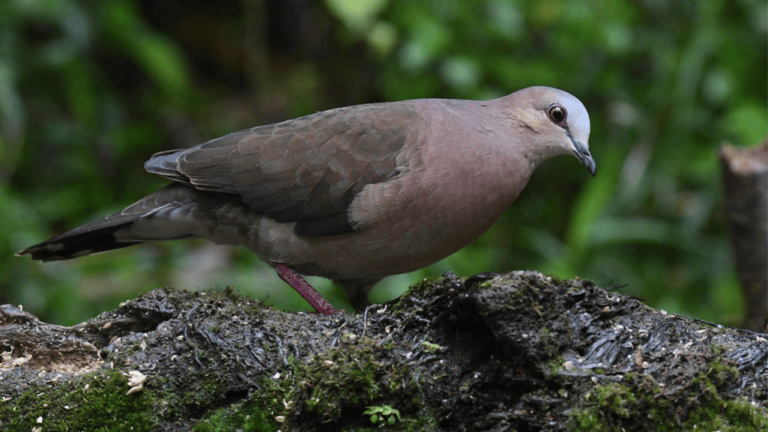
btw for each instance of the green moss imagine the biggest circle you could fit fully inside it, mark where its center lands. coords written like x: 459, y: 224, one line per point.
x: 343, y: 377
x: 204, y: 390
x: 556, y: 280
x: 259, y: 413
x: 67, y: 406
x: 611, y: 405
x: 345, y: 381
x: 549, y: 343
x: 418, y: 290
x: 485, y: 285
x: 425, y: 285
x: 334, y: 386
x: 243, y: 416
x: 617, y: 399
x: 554, y: 366
x: 640, y: 404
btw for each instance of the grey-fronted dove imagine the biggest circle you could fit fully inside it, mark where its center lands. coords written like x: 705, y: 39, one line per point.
x: 352, y: 194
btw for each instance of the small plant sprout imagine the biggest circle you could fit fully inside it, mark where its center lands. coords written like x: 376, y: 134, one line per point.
x: 383, y: 414
x: 431, y: 347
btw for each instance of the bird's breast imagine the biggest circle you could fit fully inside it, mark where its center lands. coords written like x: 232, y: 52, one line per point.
x: 454, y: 185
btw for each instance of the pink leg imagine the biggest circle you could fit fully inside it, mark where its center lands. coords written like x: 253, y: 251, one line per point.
x: 305, y: 290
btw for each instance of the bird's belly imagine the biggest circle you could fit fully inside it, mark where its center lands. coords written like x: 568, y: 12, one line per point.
x: 404, y: 225
x: 403, y: 238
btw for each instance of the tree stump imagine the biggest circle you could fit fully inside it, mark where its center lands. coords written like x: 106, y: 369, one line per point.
x: 745, y: 175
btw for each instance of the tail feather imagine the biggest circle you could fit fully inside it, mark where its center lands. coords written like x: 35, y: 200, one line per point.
x: 88, y: 239
x: 172, y: 213
x: 114, y: 231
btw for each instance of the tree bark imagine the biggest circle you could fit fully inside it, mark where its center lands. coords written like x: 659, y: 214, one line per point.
x: 520, y: 351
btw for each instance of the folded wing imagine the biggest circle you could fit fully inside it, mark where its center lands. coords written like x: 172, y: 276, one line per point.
x: 306, y: 170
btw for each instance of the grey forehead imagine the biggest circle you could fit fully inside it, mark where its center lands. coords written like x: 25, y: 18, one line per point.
x: 578, y: 118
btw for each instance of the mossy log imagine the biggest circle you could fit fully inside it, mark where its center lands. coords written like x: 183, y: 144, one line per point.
x: 520, y: 351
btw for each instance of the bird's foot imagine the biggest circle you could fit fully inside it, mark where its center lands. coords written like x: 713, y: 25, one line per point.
x: 306, y: 290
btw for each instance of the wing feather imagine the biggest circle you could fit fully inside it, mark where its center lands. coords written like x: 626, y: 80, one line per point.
x: 307, y: 170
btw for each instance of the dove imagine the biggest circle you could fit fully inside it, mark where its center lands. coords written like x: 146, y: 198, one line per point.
x: 351, y: 194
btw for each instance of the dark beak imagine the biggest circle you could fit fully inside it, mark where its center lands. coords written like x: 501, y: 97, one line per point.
x: 582, y: 152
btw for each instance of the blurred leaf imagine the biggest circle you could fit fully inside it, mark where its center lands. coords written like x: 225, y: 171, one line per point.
x: 545, y: 12
x: 11, y: 121
x: 461, y: 73
x: 618, y: 38
x: 356, y: 14
x: 159, y: 58
x: 746, y: 123
x: 718, y: 86
x: 507, y: 19
x: 590, y: 203
x: 81, y: 92
x: 426, y: 42
x: 382, y: 37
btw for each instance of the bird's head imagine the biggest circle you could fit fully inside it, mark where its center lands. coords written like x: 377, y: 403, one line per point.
x: 554, y: 122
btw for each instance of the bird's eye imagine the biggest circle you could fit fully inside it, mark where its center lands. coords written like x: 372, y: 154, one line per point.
x: 557, y: 114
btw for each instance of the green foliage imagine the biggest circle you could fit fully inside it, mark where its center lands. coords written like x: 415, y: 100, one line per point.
x: 89, y: 90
